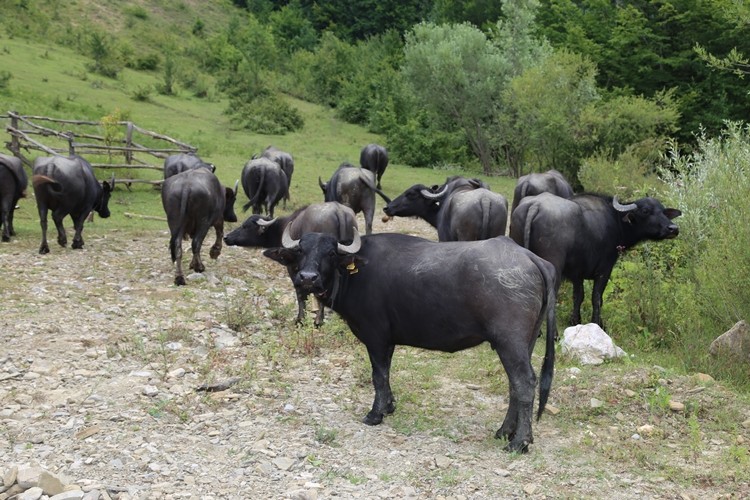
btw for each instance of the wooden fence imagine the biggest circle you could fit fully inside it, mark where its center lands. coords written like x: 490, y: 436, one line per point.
x: 119, y: 145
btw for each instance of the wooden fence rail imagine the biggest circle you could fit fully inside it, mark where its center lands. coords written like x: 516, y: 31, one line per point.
x: 114, y: 150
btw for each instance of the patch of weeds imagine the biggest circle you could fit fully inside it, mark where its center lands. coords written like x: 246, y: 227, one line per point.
x: 355, y: 479
x: 738, y: 457
x: 658, y: 400
x: 326, y: 436
x: 157, y: 410
x: 451, y: 477
x: 695, y: 444
x: 239, y: 310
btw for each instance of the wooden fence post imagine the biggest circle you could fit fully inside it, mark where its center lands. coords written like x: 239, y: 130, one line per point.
x: 129, y: 143
x: 15, y: 146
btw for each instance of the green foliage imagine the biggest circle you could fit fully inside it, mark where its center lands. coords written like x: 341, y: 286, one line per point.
x: 101, y: 48
x: 5, y: 77
x: 330, y: 68
x: 546, y: 104
x: 291, y: 29
x: 266, y: 114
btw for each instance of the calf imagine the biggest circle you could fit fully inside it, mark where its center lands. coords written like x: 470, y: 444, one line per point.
x: 195, y: 201
x: 68, y: 186
x: 261, y: 231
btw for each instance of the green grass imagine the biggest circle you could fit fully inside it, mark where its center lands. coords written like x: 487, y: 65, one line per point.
x: 52, y: 81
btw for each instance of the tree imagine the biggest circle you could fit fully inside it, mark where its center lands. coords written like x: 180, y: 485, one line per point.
x: 458, y: 74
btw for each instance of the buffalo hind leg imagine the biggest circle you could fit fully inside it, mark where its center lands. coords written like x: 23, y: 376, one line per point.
x: 216, y: 247
x: 516, y: 426
x: 196, y: 264
x: 44, y: 247
x: 62, y: 238
x: 384, y: 404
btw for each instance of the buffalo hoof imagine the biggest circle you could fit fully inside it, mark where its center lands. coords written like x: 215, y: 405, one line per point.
x: 214, y: 252
x: 179, y: 280
x: 77, y: 245
x: 63, y: 242
x: 6, y: 238
x: 44, y: 249
x: 199, y: 268
x: 520, y: 446
x: 373, y: 418
x: 505, y: 433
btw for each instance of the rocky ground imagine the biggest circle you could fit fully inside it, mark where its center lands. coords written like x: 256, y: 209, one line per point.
x: 119, y: 385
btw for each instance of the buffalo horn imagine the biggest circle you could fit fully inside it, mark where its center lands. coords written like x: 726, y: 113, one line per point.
x: 266, y: 223
x: 434, y: 196
x: 623, y: 208
x: 354, y: 246
x: 287, y: 241
x: 320, y: 183
x: 236, y: 186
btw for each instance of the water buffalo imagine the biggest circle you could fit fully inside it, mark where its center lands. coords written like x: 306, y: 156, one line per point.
x: 13, y: 183
x: 583, y: 236
x: 195, y: 201
x: 532, y: 184
x: 395, y: 289
x: 174, y: 164
x: 285, y: 161
x: 68, y: 186
x: 265, y: 184
x: 374, y: 158
x: 328, y: 217
x: 461, y: 209
x: 354, y: 187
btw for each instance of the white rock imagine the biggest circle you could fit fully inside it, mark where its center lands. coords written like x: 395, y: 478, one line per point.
x: 150, y: 390
x: 68, y: 495
x: 590, y: 344
x: 34, y: 493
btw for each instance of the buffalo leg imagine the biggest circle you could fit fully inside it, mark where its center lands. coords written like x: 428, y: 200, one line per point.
x: 216, y: 247
x: 369, y: 215
x: 175, y: 249
x: 301, y: 298
x: 321, y: 314
x: 380, y: 358
x: 600, y: 283
x: 197, y: 264
x: 44, y: 247
x: 78, y: 236
x: 5, y: 225
x: 62, y: 238
x: 516, y: 426
x: 575, y: 314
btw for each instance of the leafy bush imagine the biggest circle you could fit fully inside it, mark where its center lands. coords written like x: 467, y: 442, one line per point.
x: 266, y: 114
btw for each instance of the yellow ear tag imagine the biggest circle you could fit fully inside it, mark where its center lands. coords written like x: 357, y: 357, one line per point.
x: 352, y: 268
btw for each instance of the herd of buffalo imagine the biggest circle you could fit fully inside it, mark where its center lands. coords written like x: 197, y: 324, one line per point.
x: 473, y: 285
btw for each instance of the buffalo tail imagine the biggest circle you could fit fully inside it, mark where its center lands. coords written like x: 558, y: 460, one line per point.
x: 548, y: 365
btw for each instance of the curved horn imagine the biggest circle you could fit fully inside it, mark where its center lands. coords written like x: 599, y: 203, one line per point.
x: 287, y: 241
x: 434, y: 196
x: 623, y: 208
x: 355, y: 245
x: 266, y: 223
x: 320, y: 183
x: 236, y: 186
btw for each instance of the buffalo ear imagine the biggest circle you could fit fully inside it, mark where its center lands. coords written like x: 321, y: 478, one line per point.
x: 672, y: 213
x: 281, y: 255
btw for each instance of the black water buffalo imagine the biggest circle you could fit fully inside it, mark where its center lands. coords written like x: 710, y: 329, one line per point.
x: 174, y: 164
x: 13, y: 183
x: 374, y: 158
x: 285, y: 161
x: 532, y: 184
x: 328, y: 217
x: 461, y: 209
x: 395, y: 289
x: 195, y: 201
x: 265, y: 184
x: 354, y: 187
x: 583, y: 236
x: 68, y: 186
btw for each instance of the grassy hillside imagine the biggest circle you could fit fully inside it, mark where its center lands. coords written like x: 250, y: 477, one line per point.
x: 53, y: 81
